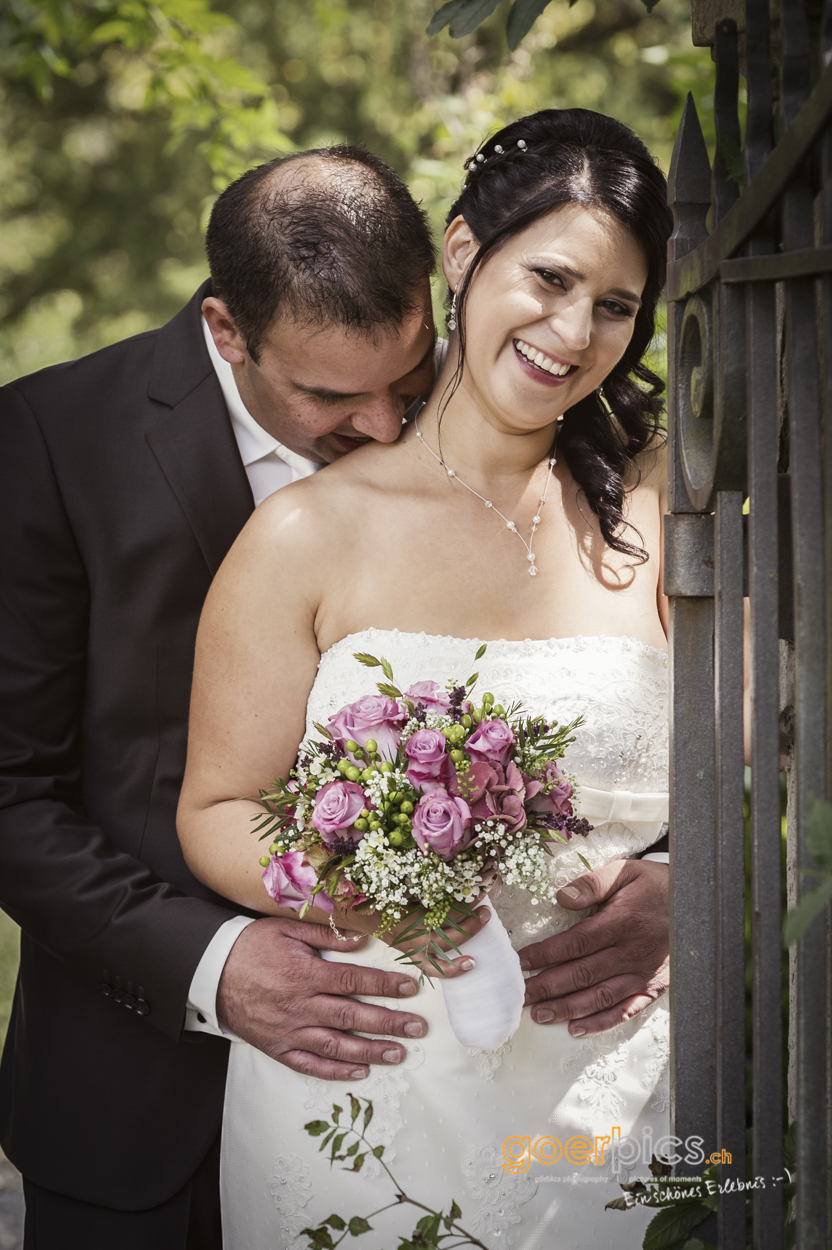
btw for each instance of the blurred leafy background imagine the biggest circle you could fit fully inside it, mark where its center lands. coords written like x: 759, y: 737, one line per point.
x: 121, y: 120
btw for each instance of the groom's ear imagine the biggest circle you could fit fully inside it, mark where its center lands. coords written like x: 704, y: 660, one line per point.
x: 458, y: 251
x: 229, y: 342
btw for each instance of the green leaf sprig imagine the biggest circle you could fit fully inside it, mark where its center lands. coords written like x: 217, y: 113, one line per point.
x: 428, y: 1233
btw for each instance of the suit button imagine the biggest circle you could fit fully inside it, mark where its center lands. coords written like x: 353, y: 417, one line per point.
x: 200, y: 1017
x: 128, y: 1001
x: 105, y: 989
x: 142, y: 1007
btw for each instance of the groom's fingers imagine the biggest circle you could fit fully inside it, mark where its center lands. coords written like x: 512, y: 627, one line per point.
x: 323, y: 977
x: 602, y: 1006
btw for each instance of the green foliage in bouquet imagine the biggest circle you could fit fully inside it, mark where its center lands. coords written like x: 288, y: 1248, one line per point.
x: 428, y: 1233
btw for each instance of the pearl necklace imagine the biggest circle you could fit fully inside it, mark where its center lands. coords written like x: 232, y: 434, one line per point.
x: 510, y: 525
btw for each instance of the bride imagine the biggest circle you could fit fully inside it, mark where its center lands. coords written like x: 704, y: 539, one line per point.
x: 522, y: 507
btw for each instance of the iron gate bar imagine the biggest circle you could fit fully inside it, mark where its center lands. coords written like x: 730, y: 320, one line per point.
x: 730, y: 858
x: 725, y: 191
x: 765, y: 588
x: 692, y: 782
x: 802, y: 263
x: 810, y: 681
x: 692, y: 271
x: 764, y: 593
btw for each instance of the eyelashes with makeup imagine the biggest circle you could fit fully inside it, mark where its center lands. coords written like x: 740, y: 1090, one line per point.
x: 612, y: 306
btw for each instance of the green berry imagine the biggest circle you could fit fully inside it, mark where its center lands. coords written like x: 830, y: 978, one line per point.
x: 457, y: 756
x: 370, y: 745
x: 364, y: 813
x: 367, y: 773
x: 264, y: 861
x: 374, y: 826
x: 487, y: 701
x: 362, y: 825
x: 386, y: 766
x: 499, y: 710
x: 407, y: 807
x: 466, y: 721
x: 352, y: 773
x: 343, y: 765
x: 477, y: 714
x: 352, y: 745
x: 359, y: 753
x: 395, y: 838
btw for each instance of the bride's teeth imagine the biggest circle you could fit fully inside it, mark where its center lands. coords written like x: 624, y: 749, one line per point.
x: 536, y: 357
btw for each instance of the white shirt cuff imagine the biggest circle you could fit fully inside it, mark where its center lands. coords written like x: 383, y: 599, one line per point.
x: 201, y: 1012
x: 659, y: 857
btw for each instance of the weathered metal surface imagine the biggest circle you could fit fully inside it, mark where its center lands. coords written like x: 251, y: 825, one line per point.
x: 764, y: 612
x: 697, y: 269
x: 804, y: 263
x: 689, y: 555
x: 750, y: 408
x: 730, y: 858
x: 693, y: 910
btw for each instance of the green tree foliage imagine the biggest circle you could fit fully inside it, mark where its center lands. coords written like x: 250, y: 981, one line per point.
x: 121, y: 119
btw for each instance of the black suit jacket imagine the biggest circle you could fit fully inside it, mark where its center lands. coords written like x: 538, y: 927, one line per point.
x: 121, y: 490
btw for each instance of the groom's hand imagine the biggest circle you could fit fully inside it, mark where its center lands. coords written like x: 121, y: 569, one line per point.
x: 609, y: 966
x: 277, y: 993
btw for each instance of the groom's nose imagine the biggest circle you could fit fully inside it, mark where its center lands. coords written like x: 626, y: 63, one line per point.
x: 380, y: 418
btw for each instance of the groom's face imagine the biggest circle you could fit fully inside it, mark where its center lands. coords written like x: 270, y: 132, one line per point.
x: 323, y: 392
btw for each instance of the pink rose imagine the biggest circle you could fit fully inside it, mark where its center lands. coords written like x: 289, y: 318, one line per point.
x: 374, y: 716
x: 442, y: 824
x: 494, y: 793
x: 429, y: 764
x: 336, y: 810
x: 558, y: 798
x: 492, y: 742
x: 289, y: 880
x: 431, y: 694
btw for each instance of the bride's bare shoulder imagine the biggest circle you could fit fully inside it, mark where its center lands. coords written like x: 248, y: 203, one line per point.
x: 313, y: 518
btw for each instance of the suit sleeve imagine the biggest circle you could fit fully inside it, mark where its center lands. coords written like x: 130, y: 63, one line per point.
x: 89, y: 905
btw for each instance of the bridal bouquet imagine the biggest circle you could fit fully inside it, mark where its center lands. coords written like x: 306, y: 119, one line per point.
x: 411, y: 805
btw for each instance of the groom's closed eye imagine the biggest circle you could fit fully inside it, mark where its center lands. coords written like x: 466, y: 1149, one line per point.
x: 328, y: 396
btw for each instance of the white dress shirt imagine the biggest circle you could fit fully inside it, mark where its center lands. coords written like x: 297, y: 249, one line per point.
x: 268, y: 465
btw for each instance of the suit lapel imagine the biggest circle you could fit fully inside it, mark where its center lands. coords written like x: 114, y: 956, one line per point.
x: 194, y: 441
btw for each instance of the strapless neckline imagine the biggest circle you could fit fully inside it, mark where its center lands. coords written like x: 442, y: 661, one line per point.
x: 575, y: 641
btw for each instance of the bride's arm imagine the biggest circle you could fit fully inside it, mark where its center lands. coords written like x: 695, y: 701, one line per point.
x: 256, y: 658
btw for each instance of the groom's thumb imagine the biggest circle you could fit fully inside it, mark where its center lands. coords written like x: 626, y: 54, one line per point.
x: 593, y: 887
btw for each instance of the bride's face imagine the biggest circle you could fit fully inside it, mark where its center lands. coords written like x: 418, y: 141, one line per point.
x: 549, y: 314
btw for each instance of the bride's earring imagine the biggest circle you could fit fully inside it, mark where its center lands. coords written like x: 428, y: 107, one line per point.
x: 452, y: 314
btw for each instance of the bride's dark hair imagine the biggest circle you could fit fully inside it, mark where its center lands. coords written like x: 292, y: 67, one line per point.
x: 573, y: 156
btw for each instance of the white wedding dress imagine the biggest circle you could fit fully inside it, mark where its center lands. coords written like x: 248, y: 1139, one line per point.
x: 444, y: 1113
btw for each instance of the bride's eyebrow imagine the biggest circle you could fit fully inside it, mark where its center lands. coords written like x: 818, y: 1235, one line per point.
x: 323, y: 392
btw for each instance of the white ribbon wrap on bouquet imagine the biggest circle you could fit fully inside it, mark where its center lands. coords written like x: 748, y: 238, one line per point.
x: 645, y: 814
x: 485, y: 1005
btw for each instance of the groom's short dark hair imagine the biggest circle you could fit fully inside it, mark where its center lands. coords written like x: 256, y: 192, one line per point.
x: 339, y: 241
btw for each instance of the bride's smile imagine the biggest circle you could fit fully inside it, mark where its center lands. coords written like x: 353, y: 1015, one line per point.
x: 546, y: 318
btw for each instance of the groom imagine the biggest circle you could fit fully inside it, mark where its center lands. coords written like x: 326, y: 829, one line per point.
x: 124, y: 479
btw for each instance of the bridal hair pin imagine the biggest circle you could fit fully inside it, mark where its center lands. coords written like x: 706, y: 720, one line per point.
x: 530, y: 556
x: 479, y: 160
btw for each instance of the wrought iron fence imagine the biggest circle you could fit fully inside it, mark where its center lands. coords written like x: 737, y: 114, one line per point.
x: 750, y: 352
